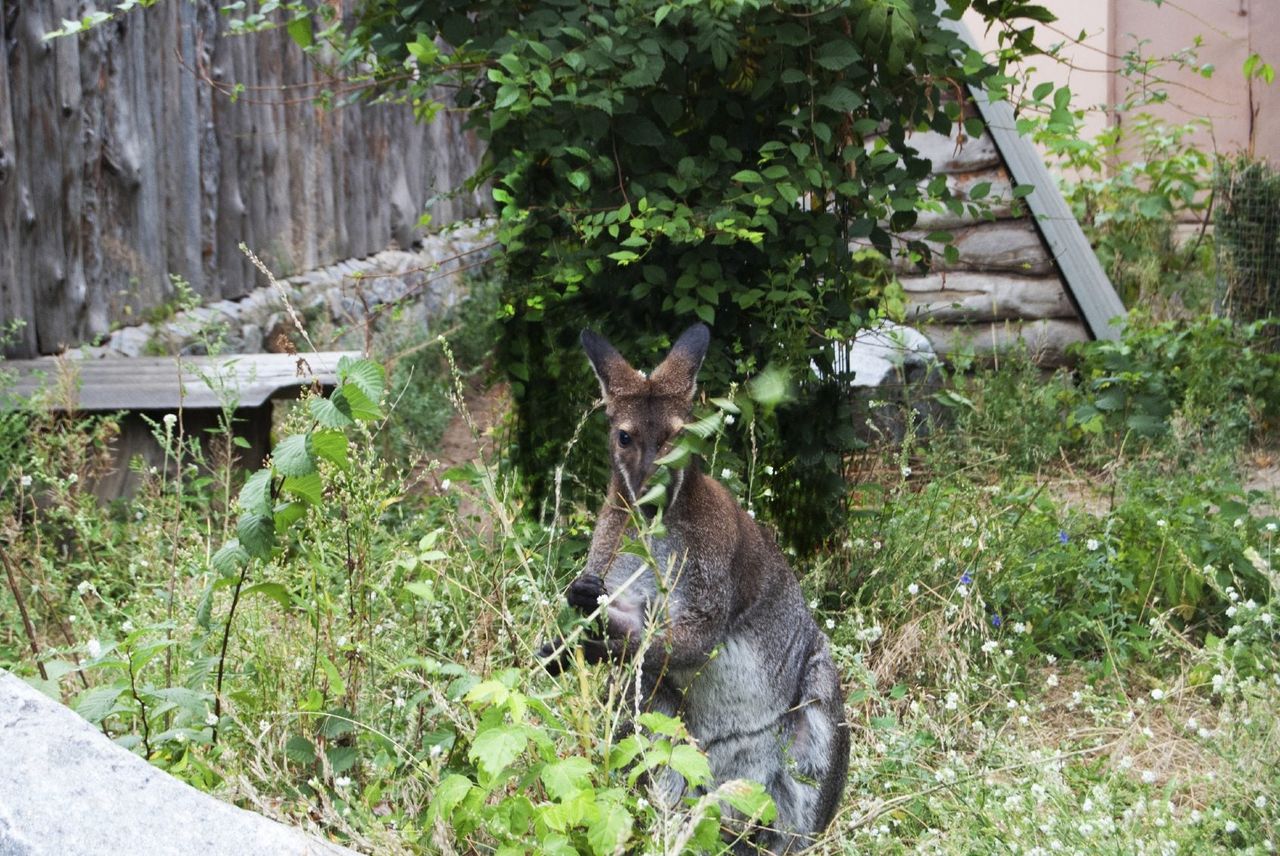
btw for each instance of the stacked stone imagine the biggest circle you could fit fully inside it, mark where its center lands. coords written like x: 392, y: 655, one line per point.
x: 342, y: 295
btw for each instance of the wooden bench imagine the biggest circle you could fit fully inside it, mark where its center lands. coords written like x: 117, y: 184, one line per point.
x: 200, y: 386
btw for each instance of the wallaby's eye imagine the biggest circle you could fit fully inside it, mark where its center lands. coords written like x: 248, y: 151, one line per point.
x: 624, y: 439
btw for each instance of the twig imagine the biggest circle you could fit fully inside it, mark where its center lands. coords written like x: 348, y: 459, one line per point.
x: 22, y: 610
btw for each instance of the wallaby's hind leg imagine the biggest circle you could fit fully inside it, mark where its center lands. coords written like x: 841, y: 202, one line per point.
x: 807, y: 789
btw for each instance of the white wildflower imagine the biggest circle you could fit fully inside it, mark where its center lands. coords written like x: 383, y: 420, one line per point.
x: 1230, y: 827
x: 94, y: 648
x: 25, y: 481
x: 1239, y: 521
x: 813, y: 604
x: 1051, y: 681
x: 211, y: 718
x: 953, y: 701
x: 966, y: 542
x: 1092, y: 544
x: 170, y: 419
x: 1157, y: 694
x: 831, y: 624
x: 1231, y: 611
x: 446, y: 484
x: 726, y: 473
x: 602, y: 600
x: 342, y: 782
x: 1266, y: 618
x: 728, y: 419
x: 436, y: 751
x: 1162, y: 523
x: 127, y: 627
x: 989, y: 646
x: 1019, y: 627
x: 1271, y: 527
x: 73, y: 478
x: 768, y: 470
x: 913, y: 589
x: 83, y: 587
x: 906, y: 472
x: 399, y: 702
x: 1260, y: 802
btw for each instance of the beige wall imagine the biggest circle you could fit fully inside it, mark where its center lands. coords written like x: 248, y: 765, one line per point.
x: 1230, y: 29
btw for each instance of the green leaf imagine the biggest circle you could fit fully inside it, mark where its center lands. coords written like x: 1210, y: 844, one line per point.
x: 980, y: 190
x: 842, y: 99
x: 361, y: 407
x: 257, y: 534
x: 749, y: 798
x: 494, y: 750
x: 837, y: 55
x: 451, y: 791
x: 564, y: 778
x: 274, y: 591
x: 291, y: 458
x: 334, y: 412
x: 98, y: 703
x: 229, y: 559
x: 300, y: 750
x: 300, y: 31
x: 609, y: 832
x: 691, y: 763
x: 255, y: 496
x: 336, y: 684
x: 308, y: 488
x: 366, y: 375
x: 329, y: 446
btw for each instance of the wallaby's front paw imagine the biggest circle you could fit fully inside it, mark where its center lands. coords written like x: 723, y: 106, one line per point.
x: 585, y: 593
x: 553, y: 666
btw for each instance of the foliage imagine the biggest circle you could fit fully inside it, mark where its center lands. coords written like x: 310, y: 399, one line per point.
x: 1209, y: 369
x: 1247, y: 232
x: 656, y: 163
x: 379, y: 671
x: 1131, y: 186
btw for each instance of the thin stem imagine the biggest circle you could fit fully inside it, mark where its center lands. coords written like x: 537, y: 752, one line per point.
x: 22, y: 610
x: 142, y: 705
x: 222, y: 654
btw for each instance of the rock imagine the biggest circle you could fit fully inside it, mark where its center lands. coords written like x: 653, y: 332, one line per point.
x: 131, y: 341
x: 895, y: 373
x: 1004, y: 246
x: 69, y: 791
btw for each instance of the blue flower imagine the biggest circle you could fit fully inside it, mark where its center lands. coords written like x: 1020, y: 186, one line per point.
x: 1062, y: 536
x: 965, y: 579
x: 996, y: 621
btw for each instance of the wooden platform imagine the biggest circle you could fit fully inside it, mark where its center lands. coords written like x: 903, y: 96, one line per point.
x: 167, y: 383
x: 145, y: 389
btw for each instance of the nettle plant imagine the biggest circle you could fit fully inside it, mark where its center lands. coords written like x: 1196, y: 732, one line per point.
x: 654, y: 163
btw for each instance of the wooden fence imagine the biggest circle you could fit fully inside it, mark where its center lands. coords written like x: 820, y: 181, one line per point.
x: 124, y: 158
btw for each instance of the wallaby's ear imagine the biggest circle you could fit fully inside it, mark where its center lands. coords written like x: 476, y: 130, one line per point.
x: 610, y: 367
x: 679, y: 371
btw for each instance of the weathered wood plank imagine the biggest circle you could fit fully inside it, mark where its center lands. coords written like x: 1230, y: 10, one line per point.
x: 166, y: 383
x: 1046, y: 340
x: 958, y: 298
x: 1086, y: 281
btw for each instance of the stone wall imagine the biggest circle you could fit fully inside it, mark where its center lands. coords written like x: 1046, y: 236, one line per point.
x: 124, y: 158
x: 337, y: 303
x: 1005, y: 290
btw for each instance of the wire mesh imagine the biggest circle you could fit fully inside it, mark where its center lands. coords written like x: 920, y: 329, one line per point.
x: 1247, y: 242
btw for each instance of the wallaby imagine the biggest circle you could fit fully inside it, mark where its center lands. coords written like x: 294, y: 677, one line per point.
x: 735, y: 654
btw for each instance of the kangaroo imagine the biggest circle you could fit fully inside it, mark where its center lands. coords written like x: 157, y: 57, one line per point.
x: 736, y: 654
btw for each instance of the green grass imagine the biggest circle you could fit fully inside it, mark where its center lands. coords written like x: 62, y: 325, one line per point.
x: 1054, y: 638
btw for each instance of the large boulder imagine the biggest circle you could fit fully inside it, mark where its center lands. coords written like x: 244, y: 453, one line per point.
x: 67, y: 790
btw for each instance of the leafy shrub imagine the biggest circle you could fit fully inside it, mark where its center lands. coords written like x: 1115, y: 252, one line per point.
x: 1209, y: 369
x: 659, y: 163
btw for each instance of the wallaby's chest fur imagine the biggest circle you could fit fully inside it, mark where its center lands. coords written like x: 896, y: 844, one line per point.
x: 713, y: 609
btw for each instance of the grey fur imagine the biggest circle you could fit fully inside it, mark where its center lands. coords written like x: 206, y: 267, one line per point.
x: 736, y: 653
